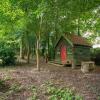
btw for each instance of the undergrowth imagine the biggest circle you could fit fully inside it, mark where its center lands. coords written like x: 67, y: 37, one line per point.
x: 56, y: 93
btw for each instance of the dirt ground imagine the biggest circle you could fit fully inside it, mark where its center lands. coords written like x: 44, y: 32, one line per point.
x: 86, y: 85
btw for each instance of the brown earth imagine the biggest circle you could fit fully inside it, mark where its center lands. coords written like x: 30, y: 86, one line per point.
x: 86, y: 85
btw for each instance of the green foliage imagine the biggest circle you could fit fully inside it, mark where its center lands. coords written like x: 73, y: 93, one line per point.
x: 96, y: 51
x: 4, y: 87
x: 40, y: 17
x: 99, y: 98
x: 56, y: 93
x: 7, y: 54
x: 15, y: 88
x: 96, y: 55
x: 34, y: 93
x: 9, y: 89
x: 2, y: 83
x: 7, y: 78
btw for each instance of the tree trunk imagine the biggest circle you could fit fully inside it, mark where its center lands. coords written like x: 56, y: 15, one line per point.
x: 21, y: 49
x: 48, y: 46
x: 37, y: 55
x: 28, y: 55
x: 38, y: 44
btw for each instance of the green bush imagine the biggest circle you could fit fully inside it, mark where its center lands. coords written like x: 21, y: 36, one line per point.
x: 7, y: 54
x: 96, y: 56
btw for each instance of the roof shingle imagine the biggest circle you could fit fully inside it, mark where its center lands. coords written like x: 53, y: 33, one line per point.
x: 78, y: 40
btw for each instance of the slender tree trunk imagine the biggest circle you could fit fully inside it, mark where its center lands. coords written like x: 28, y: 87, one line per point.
x: 48, y: 45
x: 21, y: 49
x: 37, y: 55
x: 38, y: 44
x: 28, y: 54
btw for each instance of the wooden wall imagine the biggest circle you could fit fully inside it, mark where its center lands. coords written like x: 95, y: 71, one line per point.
x: 81, y: 53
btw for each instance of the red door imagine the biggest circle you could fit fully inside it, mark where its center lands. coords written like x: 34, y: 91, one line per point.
x: 63, y: 54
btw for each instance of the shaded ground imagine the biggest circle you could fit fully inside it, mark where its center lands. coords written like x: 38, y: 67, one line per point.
x: 86, y: 85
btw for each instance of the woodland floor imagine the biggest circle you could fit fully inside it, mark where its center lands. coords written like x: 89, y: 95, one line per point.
x: 26, y: 75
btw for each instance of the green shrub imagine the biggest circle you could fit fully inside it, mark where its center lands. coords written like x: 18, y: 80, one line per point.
x: 7, y: 54
x: 96, y: 56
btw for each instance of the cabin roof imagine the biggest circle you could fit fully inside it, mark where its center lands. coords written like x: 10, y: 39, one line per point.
x: 75, y: 40
x: 79, y: 40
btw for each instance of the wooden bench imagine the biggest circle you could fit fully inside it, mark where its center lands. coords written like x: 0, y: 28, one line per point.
x: 87, y: 66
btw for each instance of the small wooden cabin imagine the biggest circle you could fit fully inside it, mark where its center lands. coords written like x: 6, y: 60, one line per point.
x: 72, y: 49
